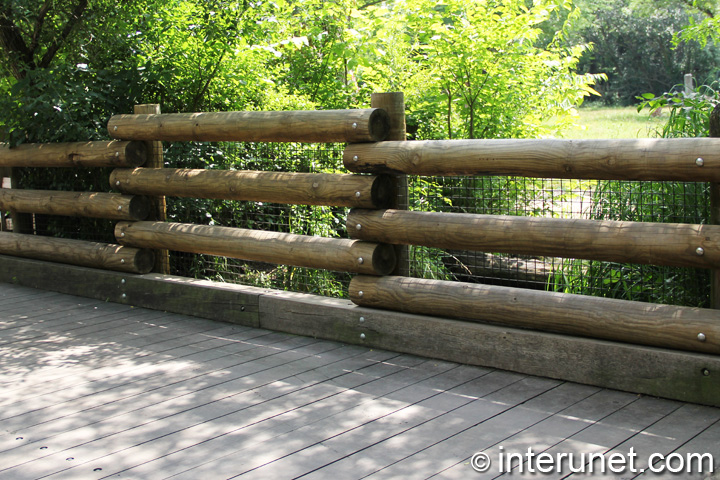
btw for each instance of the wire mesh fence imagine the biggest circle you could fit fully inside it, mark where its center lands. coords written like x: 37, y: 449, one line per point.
x: 611, y: 200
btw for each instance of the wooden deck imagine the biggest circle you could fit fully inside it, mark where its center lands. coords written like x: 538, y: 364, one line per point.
x: 91, y: 390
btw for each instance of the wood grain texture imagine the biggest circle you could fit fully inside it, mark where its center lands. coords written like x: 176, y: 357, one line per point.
x: 336, y: 254
x: 217, y: 301
x: 158, y: 205
x: 326, y: 126
x: 78, y: 154
x: 672, y: 244
x: 345, y: 190
x: 76, y: 204
x: 652, y: 371
x: 77, y: 252
x: 625, y: 159
x: 639, y: 323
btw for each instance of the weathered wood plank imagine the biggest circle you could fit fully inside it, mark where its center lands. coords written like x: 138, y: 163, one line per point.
x: 667, y: 373
x: 225, y: 302
x: 626, y: 159
x: 668, y: 326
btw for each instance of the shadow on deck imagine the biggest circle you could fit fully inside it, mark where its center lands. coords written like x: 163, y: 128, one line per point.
x: 91, y: 389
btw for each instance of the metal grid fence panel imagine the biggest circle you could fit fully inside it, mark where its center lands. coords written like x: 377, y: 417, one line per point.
x: 612, y: 200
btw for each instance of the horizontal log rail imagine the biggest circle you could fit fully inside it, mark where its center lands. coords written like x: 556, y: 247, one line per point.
x: 678, y: 159
x: 113, y: 206
x: 324, y: 126
x: 77, y: 252
x: 671, y: 244
x: 336, y: 254
x: 683, y: 328
x: 77, y: 154
x: 344, y: 190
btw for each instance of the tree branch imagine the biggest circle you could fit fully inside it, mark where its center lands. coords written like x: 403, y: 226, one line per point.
x: 39, y: 22
x: 19, y: 56
x: 72, y: 22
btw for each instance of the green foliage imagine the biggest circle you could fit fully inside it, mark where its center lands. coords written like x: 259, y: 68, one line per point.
x: 633, y: 44
x: 689, y: 113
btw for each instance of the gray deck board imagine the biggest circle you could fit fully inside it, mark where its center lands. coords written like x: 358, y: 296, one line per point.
x: 92, y: 390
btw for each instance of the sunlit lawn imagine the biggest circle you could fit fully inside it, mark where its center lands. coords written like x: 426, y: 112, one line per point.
x: 614, y: 122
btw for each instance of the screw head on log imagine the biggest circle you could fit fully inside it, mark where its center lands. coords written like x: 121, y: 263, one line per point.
x: 362, y: 336
x: 361, y: 293
x: 700, y: 251
x: 699, y: 162
x: 706, y: 372
x: 701, y: 337
x: 355, y: 158
x: 361, y: 260
x: 358, y: 227
x: 362, y: 319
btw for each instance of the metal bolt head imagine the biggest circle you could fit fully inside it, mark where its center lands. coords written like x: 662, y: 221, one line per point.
x: 119, y: 208
x: 362, y: 319
x: 122, y: 260
x: 117, y: 183
x: 361, y: 293
x: 706, y: 372
x: 124, y: 295
x: 361, y: 260
x: 701, y: 337
x: 358, y: 227
x: 122, y: 281
x: 115, y: 127
x: 117, y: 154
x: 354, y: 125
x: 362, y: 336
x: 700, y: 251
x: 357, y: 194
x: 122, y: 234
x: 699, y: 162
x: 355, y: 158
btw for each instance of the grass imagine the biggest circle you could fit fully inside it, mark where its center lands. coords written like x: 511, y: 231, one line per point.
x: 614, y: 122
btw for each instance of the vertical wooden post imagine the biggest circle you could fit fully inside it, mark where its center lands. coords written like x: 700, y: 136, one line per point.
x: 394, y: 104
x: 715, y: 209
x: 689, y: 84
x: 158, y: 208
x: 21, y: 222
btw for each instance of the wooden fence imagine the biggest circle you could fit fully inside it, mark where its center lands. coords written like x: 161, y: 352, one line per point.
x: 375, y: 230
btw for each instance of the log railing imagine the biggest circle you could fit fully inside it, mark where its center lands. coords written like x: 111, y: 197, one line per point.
x: 374, y: 228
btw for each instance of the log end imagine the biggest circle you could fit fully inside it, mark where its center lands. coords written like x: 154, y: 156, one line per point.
x: 139, y: 207
x: 383, y: 191
x: 144, y: 261
x: 384, y: 259
x: 135, y: 154
x: 379, y: 125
